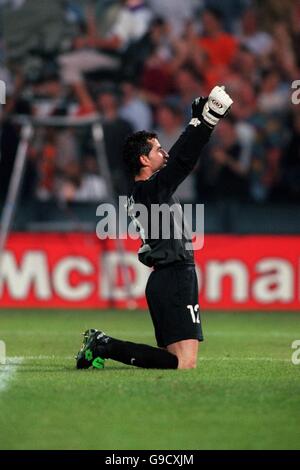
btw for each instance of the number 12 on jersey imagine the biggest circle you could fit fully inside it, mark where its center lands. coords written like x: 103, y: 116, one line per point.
x: 194, y: 311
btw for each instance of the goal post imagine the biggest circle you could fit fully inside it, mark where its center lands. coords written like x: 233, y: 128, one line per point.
x: 28, y: 126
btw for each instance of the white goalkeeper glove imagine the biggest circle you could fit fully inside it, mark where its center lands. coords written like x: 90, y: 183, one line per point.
x: 210, y: 110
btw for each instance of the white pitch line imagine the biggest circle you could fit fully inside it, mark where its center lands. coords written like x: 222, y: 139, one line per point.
x: 39, y: 358
x: 8, y: 371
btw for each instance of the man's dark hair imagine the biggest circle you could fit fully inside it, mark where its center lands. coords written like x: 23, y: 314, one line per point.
x: 136, y: 145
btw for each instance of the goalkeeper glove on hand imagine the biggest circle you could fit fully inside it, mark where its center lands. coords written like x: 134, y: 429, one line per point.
x: 210, y: 110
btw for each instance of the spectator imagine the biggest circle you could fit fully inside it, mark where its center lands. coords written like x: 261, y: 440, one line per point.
x: 132, y: 23
x: 68, y: 182
x: 219, y: 45
x: 290, y: 182
x: 106, y: 15
x: 47, y: 165
x: 256, y: 41
x: 285, y: 52
x: 153, y: 45
x: 188, y: 85
x: 169, y: 123
x: 231, y: 10
x: 176, y: 12
x: 266, y: 157
x: 92, y: 186
x: 186, y: 54
x: 246, y: 105
x: 116, y: 130
x: 94, y: 52
x: 223, y: 174
x: 53, y: 152
x: 30, y: 28
x: 274, y: 93
x: 245, y: 67
x: 250, y: 46
x: 77, y: 183
x: 98, y: 53
x: 134, y: 109
x: 271, y: 12
x: 210, y: 75
x: 295, y: 30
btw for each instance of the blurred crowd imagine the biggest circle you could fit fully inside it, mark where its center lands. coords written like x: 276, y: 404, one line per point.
x: 140, y: 64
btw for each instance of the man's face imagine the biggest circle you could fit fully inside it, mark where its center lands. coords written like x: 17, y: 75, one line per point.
x: 157, y: 158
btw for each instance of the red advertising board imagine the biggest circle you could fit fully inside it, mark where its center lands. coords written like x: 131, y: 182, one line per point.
x: 78, y: 270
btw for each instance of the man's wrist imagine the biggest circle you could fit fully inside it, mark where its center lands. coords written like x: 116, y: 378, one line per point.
x: 196, y: 124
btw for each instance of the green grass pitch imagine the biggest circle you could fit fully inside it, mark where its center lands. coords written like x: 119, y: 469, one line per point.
x: 244, y: 394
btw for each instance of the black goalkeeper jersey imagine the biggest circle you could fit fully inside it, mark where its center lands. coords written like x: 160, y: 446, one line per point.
x: 158, y: 190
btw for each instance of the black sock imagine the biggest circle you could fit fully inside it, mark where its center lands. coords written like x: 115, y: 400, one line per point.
x: 140, y: 355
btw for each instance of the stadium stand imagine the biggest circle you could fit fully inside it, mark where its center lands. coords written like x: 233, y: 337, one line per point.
x: 132, y: 62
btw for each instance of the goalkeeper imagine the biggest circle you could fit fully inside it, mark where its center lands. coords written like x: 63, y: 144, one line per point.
x: 172, y: 288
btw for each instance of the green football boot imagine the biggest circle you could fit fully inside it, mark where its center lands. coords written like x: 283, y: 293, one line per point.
x: 88, y: 355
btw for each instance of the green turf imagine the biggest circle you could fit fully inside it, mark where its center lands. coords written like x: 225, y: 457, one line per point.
x: 245, y: 393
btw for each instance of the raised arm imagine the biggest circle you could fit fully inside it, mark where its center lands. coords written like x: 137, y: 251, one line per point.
x: 184, y: 154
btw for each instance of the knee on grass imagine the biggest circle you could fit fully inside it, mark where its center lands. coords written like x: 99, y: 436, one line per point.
x: 187, y: 363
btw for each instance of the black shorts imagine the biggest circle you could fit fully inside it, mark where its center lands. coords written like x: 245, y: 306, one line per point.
x: 172, y: 296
